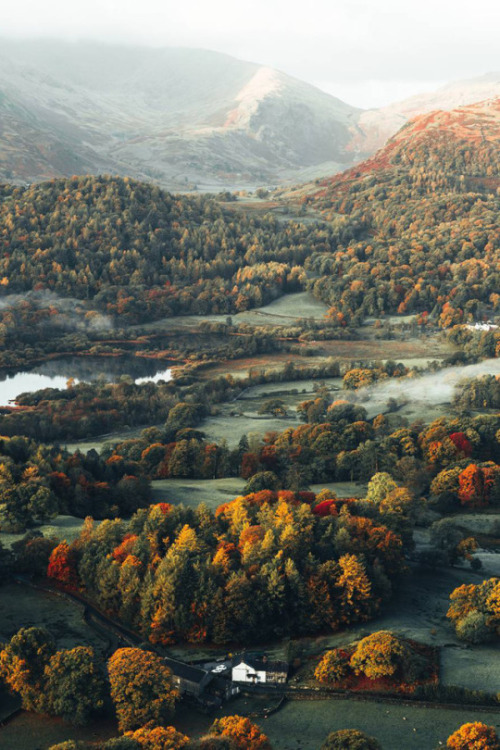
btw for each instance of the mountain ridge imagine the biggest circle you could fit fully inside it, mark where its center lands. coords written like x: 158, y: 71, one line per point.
x: 169, y: 114
x: 184, y: 117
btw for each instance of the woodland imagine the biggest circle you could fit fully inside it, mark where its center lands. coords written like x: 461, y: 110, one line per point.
x: 112, y: 268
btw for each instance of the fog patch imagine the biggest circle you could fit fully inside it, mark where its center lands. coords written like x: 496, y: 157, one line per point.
x: 432, y: 389
x: 74, y: 314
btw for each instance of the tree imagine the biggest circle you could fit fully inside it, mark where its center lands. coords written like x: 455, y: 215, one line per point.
x: 379, y: 655
x: 274, y: 406
x: 213, y: 743
x: 22, y: 666
x: 245, y: 734
x: 141, y: 688
x: 151, y: 737
x: 62, y: 565
x: 333, y: 667
x: 356, y: 597
x: 474, y: 736
x: 350, y: 739
x: 473, y: 628
x: 74, y: 686
x: 263, y: 480
x: 379, y: 486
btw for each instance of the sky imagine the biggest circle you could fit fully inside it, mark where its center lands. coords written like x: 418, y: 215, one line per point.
x: 366, y: 52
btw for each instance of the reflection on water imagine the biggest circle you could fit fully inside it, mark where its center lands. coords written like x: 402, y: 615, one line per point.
x: 56, y: 373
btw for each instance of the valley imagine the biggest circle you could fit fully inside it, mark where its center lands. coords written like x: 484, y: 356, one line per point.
x: 237, y: 427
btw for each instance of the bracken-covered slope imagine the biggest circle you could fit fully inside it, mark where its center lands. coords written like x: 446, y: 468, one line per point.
x: 418, y: 224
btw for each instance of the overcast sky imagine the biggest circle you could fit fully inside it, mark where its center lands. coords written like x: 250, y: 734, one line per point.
x: 367, y: 52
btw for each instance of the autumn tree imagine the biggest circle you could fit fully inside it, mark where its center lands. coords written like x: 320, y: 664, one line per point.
x: 380, y: 486
x: 62, y: 565
x: 23, y: 662
x: 379, y: 655
x: 474, y: 736
x: 333, y: 667
x: 350, y: 739
x: 245, y: 734
x: 151, y: 737
x: 141, y: 688
x: 475, y: 610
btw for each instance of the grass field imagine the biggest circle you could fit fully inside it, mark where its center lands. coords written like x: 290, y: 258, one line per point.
x: 62, y: 527
x: 23, y: 607
x: 29, y: 731
x: 304, y: 725
x: 299, y: 725
x: 192, y: 492
x: 282, y: 311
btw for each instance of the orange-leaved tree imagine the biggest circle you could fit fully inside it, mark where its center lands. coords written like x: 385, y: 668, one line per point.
x: 141, y: 688
x: 151, y: 737
x: 380, y: 654
x: 245, y: 734
x: 474, y: 736
x: 333, y: 667
x: 62, y: 565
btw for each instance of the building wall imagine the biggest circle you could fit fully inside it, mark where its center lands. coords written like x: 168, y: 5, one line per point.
x: 276, y: 677
x: 244, y: 673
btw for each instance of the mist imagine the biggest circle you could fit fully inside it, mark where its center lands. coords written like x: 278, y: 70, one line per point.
x: 432, y: 389
x: 72, y: 312
x: 369, y: 53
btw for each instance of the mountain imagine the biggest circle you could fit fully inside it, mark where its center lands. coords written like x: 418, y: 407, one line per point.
x: 376, y: 126
x: 176, y: 115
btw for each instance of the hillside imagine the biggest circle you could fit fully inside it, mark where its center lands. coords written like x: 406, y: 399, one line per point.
x: 376, y: 126
x: 139, y: 252
x: 179, y: 116
x: 418, y: 224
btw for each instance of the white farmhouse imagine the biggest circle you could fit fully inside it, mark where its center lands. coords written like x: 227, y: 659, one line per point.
x: 258, y: 670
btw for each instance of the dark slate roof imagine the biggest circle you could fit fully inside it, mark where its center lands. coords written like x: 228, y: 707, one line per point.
x: 185, y: 671
x: 260, y: 663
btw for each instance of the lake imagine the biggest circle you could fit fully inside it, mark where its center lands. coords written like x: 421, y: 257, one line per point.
x: 56, y: 373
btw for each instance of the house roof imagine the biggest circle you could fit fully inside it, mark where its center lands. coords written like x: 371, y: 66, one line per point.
x: 186, y: 671
x: 260, y: 663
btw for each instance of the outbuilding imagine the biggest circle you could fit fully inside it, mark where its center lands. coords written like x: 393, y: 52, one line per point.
x: 188, y: 680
